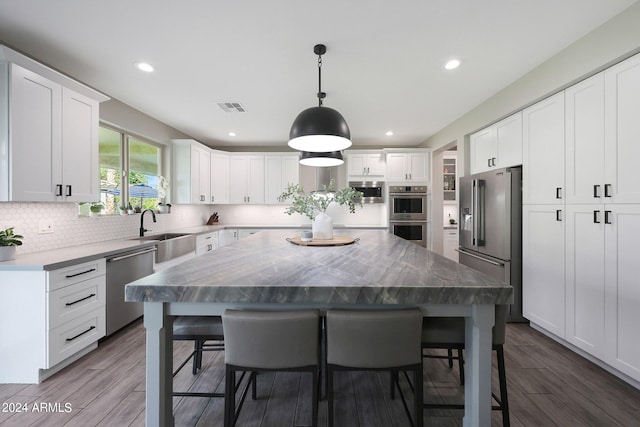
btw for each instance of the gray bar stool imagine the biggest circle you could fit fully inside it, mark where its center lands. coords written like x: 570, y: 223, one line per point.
x: 375, y: 340
x: 269, y: 341
x: 448, y: 333
x: 201, y: 330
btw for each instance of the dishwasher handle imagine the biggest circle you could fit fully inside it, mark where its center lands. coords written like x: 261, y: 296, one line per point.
x: 496, y: 263
x: 118, y: 258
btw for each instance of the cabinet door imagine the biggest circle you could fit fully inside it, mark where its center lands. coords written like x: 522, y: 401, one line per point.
x: 508, y: 136
x: 238, y: 179
x: 80, y: 175
x: 356, y: 164
x: 36, y: 137
x: 585, y: 278
x: 256, y: 179
x: 396, y: 167
x: 375, y: 164
x: 543, y: 151
x: 200, y: 179
x: 273, y: 178
x: 622, y: 288
x: 483, y: 150
x: 543, y: 290
x: 622, y: 130
x: 585, y: 141
x: 219, y: 178
x: 418, y: 164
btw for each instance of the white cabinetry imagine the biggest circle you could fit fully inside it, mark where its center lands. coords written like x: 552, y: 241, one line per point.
x: 498, y: 146
x: 361, y: 165
x: 219, y: 177
x: 50, y: 320
x: 408, y: 166
x: 191, y: 172
x: 49, y: 134
x: 622, y: 131
x: 227, y: 236
x: 280, y: 171
x: 246, y: 179
x: 543, y: 151
x: 206, y: 243
x: 543, y: 252
x: 450, y: 243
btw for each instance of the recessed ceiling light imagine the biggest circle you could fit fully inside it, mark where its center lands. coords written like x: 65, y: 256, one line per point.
x: 389, y: 133
x: 231, y: 134
x: 452, y: 64
x: 143, y: 66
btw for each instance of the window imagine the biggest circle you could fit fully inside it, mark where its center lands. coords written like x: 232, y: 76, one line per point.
x: 139, y: 188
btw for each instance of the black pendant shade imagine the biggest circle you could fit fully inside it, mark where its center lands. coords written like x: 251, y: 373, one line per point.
x: 333, y: 158
x: 319, y: 129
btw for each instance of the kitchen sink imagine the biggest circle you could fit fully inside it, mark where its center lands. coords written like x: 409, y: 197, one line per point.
x: 172, y: 245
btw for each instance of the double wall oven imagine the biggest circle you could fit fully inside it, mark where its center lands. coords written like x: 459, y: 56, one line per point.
x: 408, y: 213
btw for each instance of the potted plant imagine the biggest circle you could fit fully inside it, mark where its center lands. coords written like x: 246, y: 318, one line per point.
x: 314, y: 205
x: 130, y: 210
x: 8, y: 243
x: 123, y: 209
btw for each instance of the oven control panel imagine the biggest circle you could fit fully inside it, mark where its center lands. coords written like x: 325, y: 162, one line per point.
x: 407, y: 189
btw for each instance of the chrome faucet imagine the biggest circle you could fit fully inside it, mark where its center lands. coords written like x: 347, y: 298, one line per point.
x: 142, y: 229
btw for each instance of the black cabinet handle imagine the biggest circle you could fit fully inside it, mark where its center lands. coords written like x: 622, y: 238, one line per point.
x: 80, y: 300
x: 607, y: 220
x: 68, y: 191
x: 488, y: 163
x: 596, y: 215
x: 558, y: 190
x: 69, y: 276
x: 58, y: 189
x: 607, y: 193
x: 81, y: 334
x: 596, y: 191
x: 493, y: 161
x: 558, y: 217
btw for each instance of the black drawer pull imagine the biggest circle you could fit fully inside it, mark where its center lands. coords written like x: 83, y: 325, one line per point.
x: 607, y: 220
x: 81, y: 334
x: 558, y: 189
x: 596, y: 214
x: 79, y: 274
x: 80, y: 300
x: 558, y: 217
x: 596, y: 191
x: 58, y: 189
x: 68, y: 191
x: 607, y: 193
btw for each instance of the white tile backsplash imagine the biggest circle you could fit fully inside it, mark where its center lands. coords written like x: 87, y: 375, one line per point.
x: 69, y: 229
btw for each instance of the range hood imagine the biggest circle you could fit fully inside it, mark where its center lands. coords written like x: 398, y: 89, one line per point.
x: 314, y: 178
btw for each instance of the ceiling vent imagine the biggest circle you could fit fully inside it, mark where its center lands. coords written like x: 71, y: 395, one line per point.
x: 231, y: 107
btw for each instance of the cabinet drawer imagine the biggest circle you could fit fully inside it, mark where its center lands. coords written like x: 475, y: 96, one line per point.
x: 72, y: 301
x: 71, y: 337
x: 75, y: 274
x: 206, y: 243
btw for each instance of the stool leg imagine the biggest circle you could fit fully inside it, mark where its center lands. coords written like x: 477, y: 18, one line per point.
x: 330, y: 396
x: 502, y: 377
x: 450, y: 357
x: 461, y: 365
x: 229, y: 397
x: 314, y: 397
x: 417, y: 397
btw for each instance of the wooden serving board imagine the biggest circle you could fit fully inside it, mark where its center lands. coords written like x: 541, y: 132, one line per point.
x: 336, y: 241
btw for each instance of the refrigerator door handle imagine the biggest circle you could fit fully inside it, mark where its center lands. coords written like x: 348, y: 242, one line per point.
x: 476, y: 213
x: 462, y: 251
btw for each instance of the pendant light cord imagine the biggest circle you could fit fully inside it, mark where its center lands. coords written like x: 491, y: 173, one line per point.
x: 320, y: 93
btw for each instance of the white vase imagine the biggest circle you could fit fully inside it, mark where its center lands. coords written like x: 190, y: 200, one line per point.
x: 322, y: 227
x: 7, y: 253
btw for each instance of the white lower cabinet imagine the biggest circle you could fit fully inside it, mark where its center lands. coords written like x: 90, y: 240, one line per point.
x: 49, y: 318
x: 206, y: 243
x: 543, y: 251
x: 227, y: 236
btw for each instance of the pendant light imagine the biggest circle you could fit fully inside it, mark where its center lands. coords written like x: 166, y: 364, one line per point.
x: 333, y: 158
x: 319, y: 129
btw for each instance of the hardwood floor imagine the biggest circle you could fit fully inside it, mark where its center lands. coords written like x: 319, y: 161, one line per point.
x: 548, y: 386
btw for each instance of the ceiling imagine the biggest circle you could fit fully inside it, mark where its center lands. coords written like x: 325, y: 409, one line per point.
x: 383, y: 69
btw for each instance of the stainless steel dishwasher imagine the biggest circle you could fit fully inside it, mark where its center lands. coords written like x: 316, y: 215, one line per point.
x: 123, y: 268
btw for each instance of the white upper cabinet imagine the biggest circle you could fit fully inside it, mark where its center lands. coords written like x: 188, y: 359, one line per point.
x: 498, y: 146
x: 191, y: 172
x: 219, y: 177
x: 366, y: 165
x: 543, y: 152
x: 48, y: 134
x: 280, y: 171
x: 585, y: 150
x: 246, y: 174
x: 408, y: 166
x: 622, y: 132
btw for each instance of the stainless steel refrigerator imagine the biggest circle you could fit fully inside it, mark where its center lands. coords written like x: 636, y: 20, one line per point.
x: 490, y: 233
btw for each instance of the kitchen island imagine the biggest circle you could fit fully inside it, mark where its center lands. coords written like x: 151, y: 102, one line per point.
x: 267, y: 271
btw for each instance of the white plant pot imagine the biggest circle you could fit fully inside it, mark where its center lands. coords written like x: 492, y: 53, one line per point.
x: 322, y: 227
x: 7, y: 253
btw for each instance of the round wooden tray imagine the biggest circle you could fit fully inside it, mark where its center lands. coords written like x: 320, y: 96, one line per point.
x: 336, y: 241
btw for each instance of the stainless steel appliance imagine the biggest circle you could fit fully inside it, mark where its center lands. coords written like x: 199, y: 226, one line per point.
x: 122, y: 269
x: 407, y: 203
x: 490, y: 233
x: 408, y: 213
x: 373, y: 190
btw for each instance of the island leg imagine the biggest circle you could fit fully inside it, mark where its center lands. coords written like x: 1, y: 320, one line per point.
x: 478, y: 344
x: 159, y: 389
